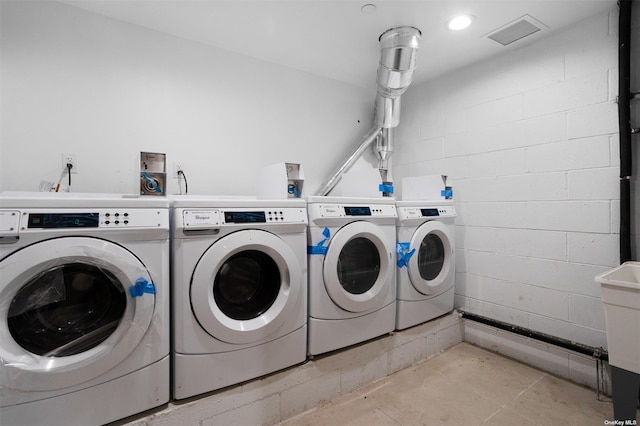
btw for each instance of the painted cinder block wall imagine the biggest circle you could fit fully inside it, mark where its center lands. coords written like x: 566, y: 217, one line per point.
x: 529, y: 140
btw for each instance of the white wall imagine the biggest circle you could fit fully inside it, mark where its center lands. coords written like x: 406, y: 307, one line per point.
x: 76, y: 82
x: 529, y: 140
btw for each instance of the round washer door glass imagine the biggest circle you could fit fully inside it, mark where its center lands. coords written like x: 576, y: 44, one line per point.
x: 66, y: 309
x: 357, y: 267
x: 68, y: 312
x: 245, y: 286
x: 431, y: 257
x: 431, y: 269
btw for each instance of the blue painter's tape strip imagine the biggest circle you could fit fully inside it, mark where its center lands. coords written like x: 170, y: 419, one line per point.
x: 141, y: 287
x: 317, y: 250
x: 404, y: 254
x: 447, y: 193
x: 320, y: 248
x: 385, y: 188
x: 326, y: 233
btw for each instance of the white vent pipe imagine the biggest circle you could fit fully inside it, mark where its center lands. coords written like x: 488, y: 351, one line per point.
x: 395, y: 72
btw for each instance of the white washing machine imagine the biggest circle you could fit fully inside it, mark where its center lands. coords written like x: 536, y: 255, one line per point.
x: 426, y: 261
x: 239, y: 290
x: 84, y: 308
x: 352, y: 280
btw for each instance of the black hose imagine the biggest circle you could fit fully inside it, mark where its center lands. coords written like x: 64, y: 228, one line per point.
x: 624, y: 123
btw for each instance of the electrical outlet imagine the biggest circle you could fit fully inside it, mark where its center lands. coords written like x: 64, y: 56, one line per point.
x: 70, y: 159
x: 177, y: 167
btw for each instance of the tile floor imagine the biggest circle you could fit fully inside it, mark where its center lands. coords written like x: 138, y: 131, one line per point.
x: 465, y: 385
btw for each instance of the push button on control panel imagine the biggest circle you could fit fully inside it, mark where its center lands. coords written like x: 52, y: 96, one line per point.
x: 115, y: 218
x: 275, y: 215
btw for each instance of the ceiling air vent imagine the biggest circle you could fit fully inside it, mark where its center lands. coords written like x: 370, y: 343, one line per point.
x: 516, y: 30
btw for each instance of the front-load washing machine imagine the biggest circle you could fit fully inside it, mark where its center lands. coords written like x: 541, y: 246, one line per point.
x: 426, y: 261
x: 352, y: 280
x: 239, y: 290
x: 84, y: 307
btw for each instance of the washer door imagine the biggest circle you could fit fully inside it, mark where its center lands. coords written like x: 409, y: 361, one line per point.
x: 431, y: 267
x: 357, y: 267
x: 70, y: 312
x: 245, y: 286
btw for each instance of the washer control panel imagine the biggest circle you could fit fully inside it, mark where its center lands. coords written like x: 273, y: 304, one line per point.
x: 355, y: 211
x: 213, y: 218
x: 426, y: 212
x: 68, y: 219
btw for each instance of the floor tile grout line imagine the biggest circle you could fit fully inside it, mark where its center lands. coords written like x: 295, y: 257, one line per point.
x: 522, y: 392
x: 506, y: 405
x: 493, y: 414
x: 530, y: 386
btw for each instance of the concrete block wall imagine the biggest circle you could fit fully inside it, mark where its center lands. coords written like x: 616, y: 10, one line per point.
x: 293, y: 391
x: 529, y: 140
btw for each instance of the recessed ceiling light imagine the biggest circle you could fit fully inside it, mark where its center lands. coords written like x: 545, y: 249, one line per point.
x: 460, y: 22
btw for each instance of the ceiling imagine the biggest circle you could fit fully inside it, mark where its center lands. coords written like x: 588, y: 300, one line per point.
x: 338, y: 39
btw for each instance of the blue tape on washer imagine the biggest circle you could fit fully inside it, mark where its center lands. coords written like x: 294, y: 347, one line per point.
x: 141, y: 287
x: 317, y: 250
x: 320, y: 248
x: 404, y: 254
x: 385, y: 188
x: 447, y: 193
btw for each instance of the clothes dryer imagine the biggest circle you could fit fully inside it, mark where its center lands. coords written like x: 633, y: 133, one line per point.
x: 426, y: 261
x: 84, y: 307
x: 352, y: 281
x: 239, y: 290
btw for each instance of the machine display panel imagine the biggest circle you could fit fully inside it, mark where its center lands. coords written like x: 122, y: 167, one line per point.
x: 430, y: 212
x: 357, y: 211
x: 245, y: 217
x: 63, y: 220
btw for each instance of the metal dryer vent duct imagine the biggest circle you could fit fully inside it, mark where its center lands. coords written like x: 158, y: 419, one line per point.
x: 399, y: 47
x: 395, y: 72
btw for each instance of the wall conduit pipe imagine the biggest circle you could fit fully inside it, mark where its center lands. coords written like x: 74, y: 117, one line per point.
x: 624, y: 123
x: 592, y: 351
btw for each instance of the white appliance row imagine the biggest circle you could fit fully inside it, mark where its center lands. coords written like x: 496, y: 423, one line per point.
x: 376, y: 265
x: 256, y: 286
